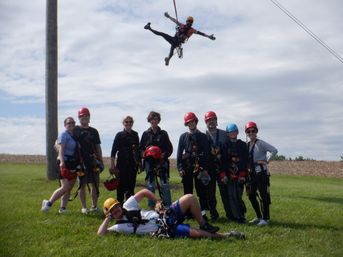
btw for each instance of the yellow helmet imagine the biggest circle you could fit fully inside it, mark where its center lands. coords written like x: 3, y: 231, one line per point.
x: 109, y: 204
x: 190, y: 18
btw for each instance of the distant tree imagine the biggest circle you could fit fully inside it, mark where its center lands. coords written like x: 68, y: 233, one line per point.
x: 299, y: 158
x: 279, y: 158
x: 342, y: 158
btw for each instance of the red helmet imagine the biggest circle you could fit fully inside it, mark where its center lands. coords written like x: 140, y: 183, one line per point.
x: 251, y: 124
x: 210, y: 115
x: 111, y: 183
x: 83, y: 111
x: 153, y: 151
x: 190, y: 116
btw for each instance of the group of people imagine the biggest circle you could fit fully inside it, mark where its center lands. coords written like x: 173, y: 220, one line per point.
x: 79, y: 156
x: 204, y: 161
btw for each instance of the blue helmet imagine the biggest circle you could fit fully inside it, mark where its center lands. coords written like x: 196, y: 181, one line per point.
x: 231, y: 127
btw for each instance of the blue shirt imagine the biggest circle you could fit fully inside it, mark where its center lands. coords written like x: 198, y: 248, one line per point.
x: 69, y: 143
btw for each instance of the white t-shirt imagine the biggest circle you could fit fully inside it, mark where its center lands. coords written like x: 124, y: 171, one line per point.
x: 127, y: 228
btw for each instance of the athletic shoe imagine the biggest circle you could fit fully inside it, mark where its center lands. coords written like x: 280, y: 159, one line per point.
x: 62, y: 210
x: 204, y: 216
x: 235, y: 234
x: 263, y: 223
x: 94, y: 209
x: 84, y: 211
x: 45, y: 206
x: 214, y: 217
x: 254, y: 221
x: 166, y: 61
x: 241, y: 220
x: 147, y: 26
x: 209, y: 228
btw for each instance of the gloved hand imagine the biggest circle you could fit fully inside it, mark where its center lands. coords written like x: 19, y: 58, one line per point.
x: 204, y: 177
x: 223, y: 178
x: 159, y: 207
x: 181, y: 173
x: 212, y: 37
x: 101, y: 166
x: 166, y: 14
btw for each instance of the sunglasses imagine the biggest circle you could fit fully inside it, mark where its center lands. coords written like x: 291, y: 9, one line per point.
x: 251, y: 131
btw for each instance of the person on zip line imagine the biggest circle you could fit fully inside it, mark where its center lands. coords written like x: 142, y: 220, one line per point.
x: 183, y: 33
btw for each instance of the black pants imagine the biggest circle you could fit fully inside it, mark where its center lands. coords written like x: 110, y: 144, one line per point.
x: 173, y: 41
x: 259, y: 184
x: 212, y: 200
x: 201, y: 190
x: 126, y: 188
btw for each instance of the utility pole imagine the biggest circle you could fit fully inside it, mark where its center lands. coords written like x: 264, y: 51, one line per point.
x: 51, y: 87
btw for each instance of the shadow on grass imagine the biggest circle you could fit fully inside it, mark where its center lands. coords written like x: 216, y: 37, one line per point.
x: 301, y: 226
x: 337, y: 200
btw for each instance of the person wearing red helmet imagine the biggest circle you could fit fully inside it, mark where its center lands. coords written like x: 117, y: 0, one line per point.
x: 89, y: 140
x: 192, y: 161
x: 217, y: 141
x: 68, y: 162
x: 184, y: 32
x: 125, y: 159
x: 260, y: 153
x: 155, y: 136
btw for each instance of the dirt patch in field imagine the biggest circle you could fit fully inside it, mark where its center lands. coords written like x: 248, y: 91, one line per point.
x: 307, y: 168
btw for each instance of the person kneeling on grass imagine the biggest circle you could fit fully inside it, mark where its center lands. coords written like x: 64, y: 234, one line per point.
x: 161, y: 222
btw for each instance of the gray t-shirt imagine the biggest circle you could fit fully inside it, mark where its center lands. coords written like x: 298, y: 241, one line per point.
x: 262, y: 152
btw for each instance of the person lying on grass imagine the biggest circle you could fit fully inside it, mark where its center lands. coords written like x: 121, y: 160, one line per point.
x: 160, y: 222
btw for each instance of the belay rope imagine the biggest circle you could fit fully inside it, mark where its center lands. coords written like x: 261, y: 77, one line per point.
x: 179, y: 48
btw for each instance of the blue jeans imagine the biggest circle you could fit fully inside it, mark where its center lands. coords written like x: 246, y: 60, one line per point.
x: 163, y: 176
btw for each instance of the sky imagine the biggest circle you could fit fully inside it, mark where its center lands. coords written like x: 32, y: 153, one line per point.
x: 262, y: 67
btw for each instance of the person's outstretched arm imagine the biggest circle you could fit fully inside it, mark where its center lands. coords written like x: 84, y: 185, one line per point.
x: 171, y: 18
x: 205, y: 35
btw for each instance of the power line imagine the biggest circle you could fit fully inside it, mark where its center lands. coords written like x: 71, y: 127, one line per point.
x: 302, y: 25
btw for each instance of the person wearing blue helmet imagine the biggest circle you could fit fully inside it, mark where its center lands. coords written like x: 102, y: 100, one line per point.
x: 237, y: 153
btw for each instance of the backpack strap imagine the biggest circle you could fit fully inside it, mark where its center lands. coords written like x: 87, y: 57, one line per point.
x: 134, y: 217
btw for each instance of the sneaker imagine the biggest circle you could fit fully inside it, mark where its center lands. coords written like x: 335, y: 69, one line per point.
x: 84, y: 211
x: 241, y: 220
x: 214, y: 217
x: 209, y: 228
x: 147, y: 26
x: 166, y: 61
x: 263, y: 223
x: 62, y: 210
x: 94, y: 209
x: 46, y: 205
x: 235, y: 234
x: 204, y: 216
x: 254, y: 221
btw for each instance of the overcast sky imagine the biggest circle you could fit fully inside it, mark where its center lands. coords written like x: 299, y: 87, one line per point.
x: 262, y: 67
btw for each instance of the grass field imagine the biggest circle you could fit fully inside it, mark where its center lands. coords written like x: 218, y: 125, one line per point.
x: 306, y: 220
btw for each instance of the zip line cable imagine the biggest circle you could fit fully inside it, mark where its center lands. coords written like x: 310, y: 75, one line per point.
x: 289, y: 14
x: 175, y: 11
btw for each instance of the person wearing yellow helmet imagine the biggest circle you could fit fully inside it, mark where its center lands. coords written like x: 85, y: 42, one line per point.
x: 183, y: 33
x: 131, y: 220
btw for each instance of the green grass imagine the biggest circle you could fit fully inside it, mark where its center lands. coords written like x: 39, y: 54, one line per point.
x: 306, y: 220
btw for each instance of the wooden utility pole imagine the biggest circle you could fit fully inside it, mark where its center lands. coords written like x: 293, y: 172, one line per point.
x: 51, y: 87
